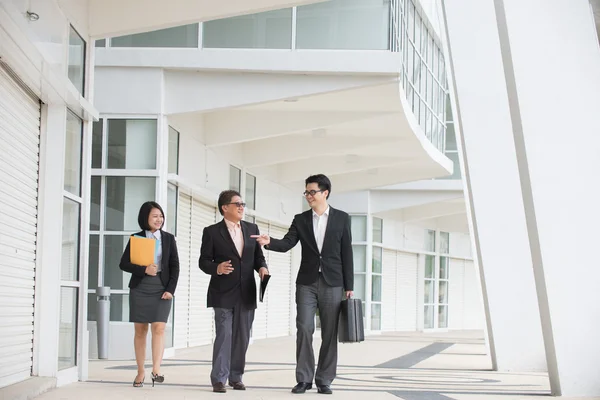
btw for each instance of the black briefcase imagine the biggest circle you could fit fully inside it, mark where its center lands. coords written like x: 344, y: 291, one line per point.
x: 351, y: 328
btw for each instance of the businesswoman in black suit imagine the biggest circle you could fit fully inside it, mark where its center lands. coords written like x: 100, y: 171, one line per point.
x: 151, y: 290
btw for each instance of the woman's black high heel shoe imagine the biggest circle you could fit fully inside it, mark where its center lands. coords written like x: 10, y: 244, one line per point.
x: 157, y: 378
x: 140, y: 383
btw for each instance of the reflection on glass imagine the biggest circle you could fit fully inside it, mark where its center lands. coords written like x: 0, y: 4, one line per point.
x: 377, y: 230
x: 92, y: 307
x: 375, y: 317
x: 119, y: 307
x: 76, y: 60
x: 344, y: 24
x: 429, y: 240
x: 444, y: 242
x: 95, y: 203
x: 443, y: 267
x: 358, y: 224
x: 97, y: 144
x: 359, y: 255
x: 67, y: 338
x: 429, y: 266
x: 73, y: 149
x: 124, y: 196
x: 359, y: 286
x: 377, y: 257
x: 376, y: 287
x: 94, y: 253
x: 70, y: 241
x: 235, y: 178
x: 185, y: 36
x: 266, y: 30
x: 443, y: 317
x: 428, y: 317
x: 173, y: 151
x: 250, y: 198
x: 113, y: 250
x: 171, y: 209
x: 131, y: 144
x: 428, y: 299
x: 443, y: 292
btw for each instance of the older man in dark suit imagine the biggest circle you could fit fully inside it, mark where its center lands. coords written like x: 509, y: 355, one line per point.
x: 231, y: 257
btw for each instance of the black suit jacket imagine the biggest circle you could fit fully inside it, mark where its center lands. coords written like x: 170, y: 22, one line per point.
x: 337, y: 264
x: 169, y: 273
x: 224, y: 291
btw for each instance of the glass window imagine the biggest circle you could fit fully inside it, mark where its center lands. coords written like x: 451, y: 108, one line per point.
x: 171, y: 209
x: 185, y: 36
x: 429, y: 266
x: 235, y: 178
x: 444, y: 270
x: 101, y: 43
x: 443, y: 292
x: 444, y: 242
x: 93, y: 262
x: 266, y: 30
x: 450, y: 137
x: 344, y: 24
x: 119, y: 308
x: 76, y: 60
x: 376, y: 317
x: 377, y: 257
x: 428, y: 317
x: 131, y: 144
x: 358, y: 225
x: 360, y: 283
x: 359, y: 256
x: 113, y: 250
x: 377, y: 230
x: 92, y: 306
x: 97, y: 144
x: 443, y: 316
x: 124, y: 196
x: 173, y: 151
x: 376, y: 287
x: 67, y: 338
x: 95, y: 203
x: 73, y: 149
x: 69, y: 270
x: 428, y: 299
x: 429, y: 240
x: 250, y: 198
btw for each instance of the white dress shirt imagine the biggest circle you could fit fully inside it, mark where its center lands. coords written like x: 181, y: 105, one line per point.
x: 157, y: 236
x: 320, y: 226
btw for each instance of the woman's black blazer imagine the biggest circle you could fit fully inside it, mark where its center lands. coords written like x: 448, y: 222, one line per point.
x: 169, y: 264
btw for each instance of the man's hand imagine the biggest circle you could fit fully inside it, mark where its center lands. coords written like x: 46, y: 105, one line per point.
x: 224, y: 268
x: 152, y: 270
x: 262, y: 272
x: 349, y: 294
x: 263, y: 240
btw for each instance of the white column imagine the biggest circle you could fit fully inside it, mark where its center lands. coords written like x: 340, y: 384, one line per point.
x: 493, y: 188
x: 551, y: 63
x: 48, y: 263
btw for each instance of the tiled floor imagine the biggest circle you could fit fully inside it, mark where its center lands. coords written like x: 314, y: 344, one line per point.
x: 411, y: 366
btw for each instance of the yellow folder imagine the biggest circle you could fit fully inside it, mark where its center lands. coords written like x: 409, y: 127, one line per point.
x: 142, y: 251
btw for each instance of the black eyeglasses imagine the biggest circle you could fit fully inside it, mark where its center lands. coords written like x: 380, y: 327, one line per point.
x: 311, y: 192
x: 238, y: 204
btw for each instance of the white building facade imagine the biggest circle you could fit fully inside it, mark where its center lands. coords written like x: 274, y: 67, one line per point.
x: 102, y: 110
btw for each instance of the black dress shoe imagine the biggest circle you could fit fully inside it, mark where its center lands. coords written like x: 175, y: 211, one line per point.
x: 324, y: 389
x: 219, y: 387
x: 301, y: 387
x: 237, y: 385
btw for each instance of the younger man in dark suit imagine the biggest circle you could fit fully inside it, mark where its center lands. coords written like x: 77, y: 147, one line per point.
x: 326, y: 275
x: 230, y: 256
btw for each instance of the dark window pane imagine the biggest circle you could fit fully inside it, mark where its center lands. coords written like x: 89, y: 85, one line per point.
x: 96, y: 192
x: 97, y: 144
x: 185, y: 36
x: 113, y: 250
x: 94, y: 253
x: 124, y: 197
